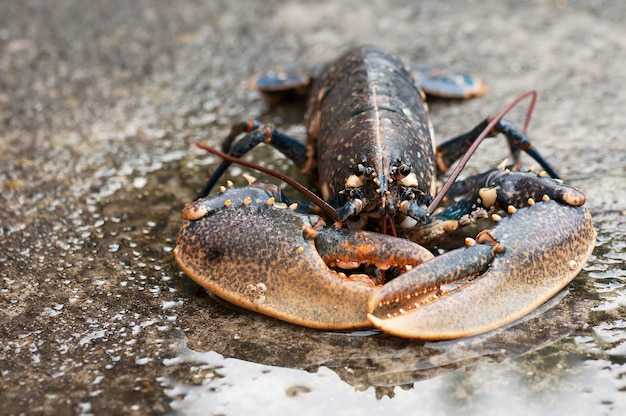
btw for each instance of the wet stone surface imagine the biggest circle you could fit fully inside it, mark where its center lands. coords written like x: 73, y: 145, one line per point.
x: 100, y: 104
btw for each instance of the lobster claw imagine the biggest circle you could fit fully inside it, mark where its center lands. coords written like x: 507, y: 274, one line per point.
x: 256, y: 253
x: 515, y: 267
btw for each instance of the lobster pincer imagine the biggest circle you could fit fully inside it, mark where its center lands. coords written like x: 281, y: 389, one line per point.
x: 249, y: 248
x: 503, y: 274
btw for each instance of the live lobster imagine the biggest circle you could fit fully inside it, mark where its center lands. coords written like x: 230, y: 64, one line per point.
x: 370, y: 154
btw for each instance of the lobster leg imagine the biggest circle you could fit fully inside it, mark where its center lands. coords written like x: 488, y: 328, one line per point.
x: 284, y: 83
x: 520, y: 189
x: 443, y: 83
x: 493, y: 191
x: 537, y: 252
x: 255, y: 134
x: 451, y: 150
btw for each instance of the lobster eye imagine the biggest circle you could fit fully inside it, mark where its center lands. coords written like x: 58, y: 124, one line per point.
x: 404, y: 169
x: 400, y: 172
x: 359, y: 170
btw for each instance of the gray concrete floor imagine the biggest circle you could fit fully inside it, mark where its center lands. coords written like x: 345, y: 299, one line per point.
x: 100, y: 104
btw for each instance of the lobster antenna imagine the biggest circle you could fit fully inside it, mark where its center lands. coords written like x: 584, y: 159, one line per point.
x: 463, y: 161
x: 531, y: 108
x: 323, y: 205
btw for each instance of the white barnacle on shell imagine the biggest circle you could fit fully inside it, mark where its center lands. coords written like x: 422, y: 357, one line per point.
x: 488, y: 196
x: 256, y: 293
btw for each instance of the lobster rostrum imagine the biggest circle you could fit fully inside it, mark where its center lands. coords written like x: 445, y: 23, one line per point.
x: 371, y: 155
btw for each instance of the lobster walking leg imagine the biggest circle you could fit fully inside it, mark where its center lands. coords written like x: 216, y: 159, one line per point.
x: 444, y: 83
x: 491, y: 192
x: 255, y: 134
x: 451, y: 150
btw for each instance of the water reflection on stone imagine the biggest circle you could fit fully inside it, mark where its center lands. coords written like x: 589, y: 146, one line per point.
x: 367, y: 359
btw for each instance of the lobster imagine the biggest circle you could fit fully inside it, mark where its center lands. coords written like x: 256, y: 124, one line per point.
x: 367, y: 258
